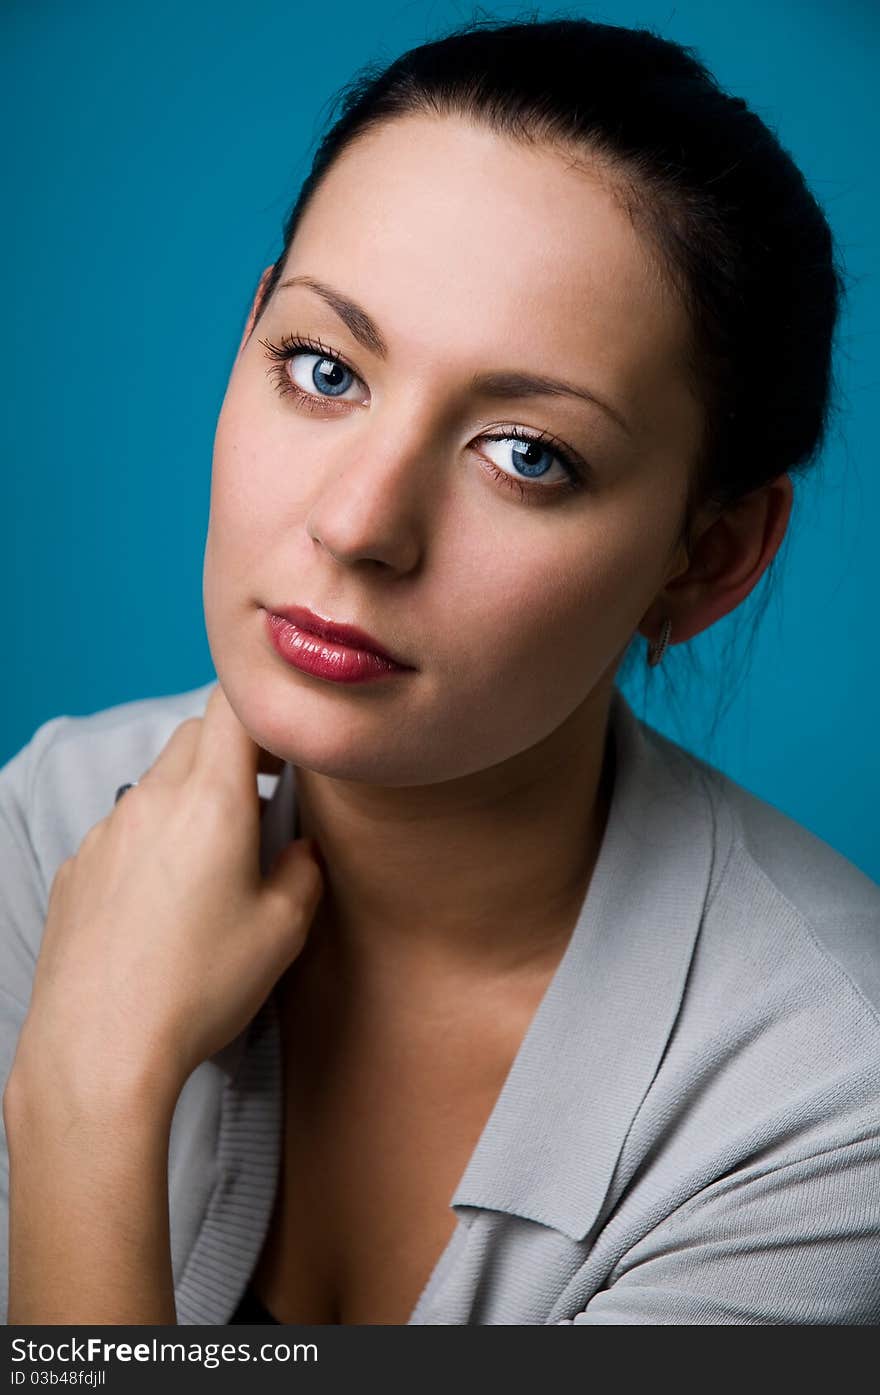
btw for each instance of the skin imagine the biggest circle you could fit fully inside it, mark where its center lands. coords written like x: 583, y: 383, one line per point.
x: 161, y: 941
x: 460, y: 808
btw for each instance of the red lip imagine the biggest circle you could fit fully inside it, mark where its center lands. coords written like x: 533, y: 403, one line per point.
x: 349, y: 635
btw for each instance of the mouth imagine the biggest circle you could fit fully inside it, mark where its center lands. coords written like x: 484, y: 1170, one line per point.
x: 348, y: 636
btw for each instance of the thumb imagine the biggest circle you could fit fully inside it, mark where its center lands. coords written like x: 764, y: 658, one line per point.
x: 296, y: 881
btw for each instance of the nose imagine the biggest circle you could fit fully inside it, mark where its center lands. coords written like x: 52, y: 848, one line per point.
x: 374, y: 504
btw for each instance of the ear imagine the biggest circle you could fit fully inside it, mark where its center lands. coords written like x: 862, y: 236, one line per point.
x: 729, y: 558
x: 252, y: 313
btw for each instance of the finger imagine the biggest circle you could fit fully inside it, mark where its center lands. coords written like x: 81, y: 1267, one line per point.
x: 174, y: 762
x: 225, y: 751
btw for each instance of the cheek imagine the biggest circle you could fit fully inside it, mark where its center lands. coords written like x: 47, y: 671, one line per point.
x: 232, y: 539
x: 528, y: 630
x: 555, y: 612
x: 243, y: 486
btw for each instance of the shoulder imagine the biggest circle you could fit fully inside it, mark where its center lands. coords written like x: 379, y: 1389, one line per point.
x: 64, y: 779
x: 774, y: 1056
x: 774, y: 1044
x: 747, y: 1186
x: 787, y: 897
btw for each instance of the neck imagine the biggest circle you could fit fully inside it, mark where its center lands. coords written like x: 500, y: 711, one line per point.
x: 483, y: 873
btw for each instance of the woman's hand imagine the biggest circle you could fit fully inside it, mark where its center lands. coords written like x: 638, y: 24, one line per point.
x: 162, y: 939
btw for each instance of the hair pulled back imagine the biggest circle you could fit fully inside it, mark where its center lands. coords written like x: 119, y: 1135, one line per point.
x: 734, y: 229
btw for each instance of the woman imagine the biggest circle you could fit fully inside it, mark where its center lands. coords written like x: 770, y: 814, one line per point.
x: 507, y: 1009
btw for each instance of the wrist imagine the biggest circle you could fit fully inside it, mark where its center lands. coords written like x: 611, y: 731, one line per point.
x: 89, y: 1229
x: 43, y: 1089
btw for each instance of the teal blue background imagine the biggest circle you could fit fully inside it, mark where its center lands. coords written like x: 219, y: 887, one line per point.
x: 152, y: 151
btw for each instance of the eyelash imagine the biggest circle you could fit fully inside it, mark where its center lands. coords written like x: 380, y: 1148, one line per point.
x: 576, y: 468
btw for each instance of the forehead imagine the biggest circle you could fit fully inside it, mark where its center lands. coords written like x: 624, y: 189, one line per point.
x: 452, y: 235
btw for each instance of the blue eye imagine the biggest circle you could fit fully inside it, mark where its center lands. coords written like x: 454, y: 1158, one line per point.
x: 531, y: 457
x: 326, y: 374
x: 330, y: 377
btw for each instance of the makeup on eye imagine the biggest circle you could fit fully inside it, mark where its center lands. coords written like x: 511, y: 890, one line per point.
x: 576, y: 472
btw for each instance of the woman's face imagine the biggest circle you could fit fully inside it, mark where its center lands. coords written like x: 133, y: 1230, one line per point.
x: 510, y: 582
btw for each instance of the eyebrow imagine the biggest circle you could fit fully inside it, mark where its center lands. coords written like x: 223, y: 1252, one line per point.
x: 499, y: 384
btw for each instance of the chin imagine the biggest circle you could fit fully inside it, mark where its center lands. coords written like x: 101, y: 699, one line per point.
x: 329, y: 730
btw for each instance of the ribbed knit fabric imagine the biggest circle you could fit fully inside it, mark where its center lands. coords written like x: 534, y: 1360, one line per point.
x: 690, y: 1129
x: 248, y: 1149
